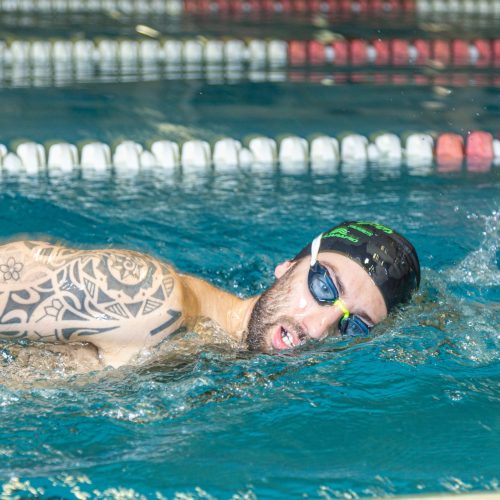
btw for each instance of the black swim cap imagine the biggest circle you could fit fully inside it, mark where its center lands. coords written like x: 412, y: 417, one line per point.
x: 389, y: 258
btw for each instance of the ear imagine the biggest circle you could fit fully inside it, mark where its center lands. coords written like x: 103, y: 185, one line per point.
x: 282, y: 268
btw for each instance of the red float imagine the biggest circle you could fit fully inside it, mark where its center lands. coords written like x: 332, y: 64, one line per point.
x: 383, y: 51
x: 450, y: 149
x: 314, y: 5
x: 297, y: 52
x: 316, y: 52
x: 423, y: 51
x: 359, y: 54
x: 485, y: 52
x: 460, y: 52
x: 267, y: 5
x: 341, y: 48
x: 399, y: 51
x: 496, y: 53
x: 441, y: 51
x: 408, y: 5
x: 204, y: 6
x: 376, y: 6
x: 225, y: 5
x: 480, y: 145
x: 191, y: 6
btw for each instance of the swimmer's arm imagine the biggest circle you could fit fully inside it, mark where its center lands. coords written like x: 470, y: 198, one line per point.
x: 118, y: 300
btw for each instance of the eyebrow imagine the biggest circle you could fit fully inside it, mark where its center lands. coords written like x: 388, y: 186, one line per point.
x: 364, y: 315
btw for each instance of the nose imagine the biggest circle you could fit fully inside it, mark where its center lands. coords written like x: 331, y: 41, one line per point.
x: 319, y: 321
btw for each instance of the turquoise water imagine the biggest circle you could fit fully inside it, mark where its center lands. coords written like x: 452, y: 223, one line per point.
x: 413, y: 411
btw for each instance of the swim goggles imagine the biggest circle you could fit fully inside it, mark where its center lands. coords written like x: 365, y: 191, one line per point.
x: 325, y: 292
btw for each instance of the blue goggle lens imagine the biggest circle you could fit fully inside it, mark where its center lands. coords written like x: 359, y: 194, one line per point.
x: 325, y: 292
x: 353, y: 326
x: 321, y: 286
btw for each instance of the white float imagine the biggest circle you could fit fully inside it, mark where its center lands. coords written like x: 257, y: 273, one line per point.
x: 84, y: 51
x: 128, y: 52
x: 214, y: 52
x: 126, y: 157
x: 226, y: 152
x: 96, y: 155
x: 419, y: 148
x: 166, y: 153
x: 324, y: 150
x: 149, y: 51
x: 389, y: 147
x: 496, y: 152
x: 277, y: 52
x: 62, y: 156
x: 353, y: 148
x: 107, y: 51
x: 12, y: 163
x: 234, y: 51
x: 257, y: 51
x: 40, y: 53
x: 19, y: 51
x: 263, y: 149
x: 192, y: 52
x: 3, y: 152
x: 172, y: 51
x: 62, y: 51
x: 293, y: 150
x: 32, y: 156
x: 174, y: 7
x: 195, y: 155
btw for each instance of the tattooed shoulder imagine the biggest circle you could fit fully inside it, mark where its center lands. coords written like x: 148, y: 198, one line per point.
x: 102, y: 296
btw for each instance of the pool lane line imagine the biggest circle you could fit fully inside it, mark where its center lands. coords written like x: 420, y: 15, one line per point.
x: 442, y: 83
x: 478, y: 149
x: 439, y: 53
x: 242, y: 7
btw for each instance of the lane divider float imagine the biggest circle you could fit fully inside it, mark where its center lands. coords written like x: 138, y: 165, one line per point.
x: 479, y: 149
x: 240, y: 7
x: 126, y: 53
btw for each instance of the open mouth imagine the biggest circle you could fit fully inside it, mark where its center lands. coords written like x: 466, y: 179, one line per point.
x: 285, y: 338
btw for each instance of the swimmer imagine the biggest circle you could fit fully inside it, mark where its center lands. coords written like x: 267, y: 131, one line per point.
x: 343, y: 283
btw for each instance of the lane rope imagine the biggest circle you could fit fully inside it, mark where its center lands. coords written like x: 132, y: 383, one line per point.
x: 449, y: 150
x: 109, y: 53
x: 241, y: 7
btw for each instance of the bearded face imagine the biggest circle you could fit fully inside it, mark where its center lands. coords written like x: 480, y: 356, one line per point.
x: 269, y: 326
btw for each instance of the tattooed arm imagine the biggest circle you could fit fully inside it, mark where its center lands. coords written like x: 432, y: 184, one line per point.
x: 118, y: 300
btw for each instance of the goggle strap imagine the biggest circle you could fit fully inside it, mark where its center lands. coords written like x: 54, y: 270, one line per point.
x: 315, y: 244
x: 343, y: 308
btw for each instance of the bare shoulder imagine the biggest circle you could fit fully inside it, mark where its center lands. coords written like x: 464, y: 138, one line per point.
x: 119, y: 300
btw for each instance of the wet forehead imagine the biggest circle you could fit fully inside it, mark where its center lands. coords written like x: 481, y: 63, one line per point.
x: 360, y: 292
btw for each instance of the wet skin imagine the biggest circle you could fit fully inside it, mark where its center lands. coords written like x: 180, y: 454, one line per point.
x: 122, y: 302
x: 287, y: 314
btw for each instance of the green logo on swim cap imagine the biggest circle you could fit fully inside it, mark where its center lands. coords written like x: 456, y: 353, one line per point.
x: 341, y: 232
x: 386, y: 229
x: 361, y: 229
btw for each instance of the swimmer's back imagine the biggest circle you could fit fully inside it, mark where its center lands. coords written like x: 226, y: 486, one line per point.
x: 120, y: 301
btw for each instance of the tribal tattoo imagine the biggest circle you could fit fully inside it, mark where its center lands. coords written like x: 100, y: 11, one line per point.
x: 53, y: 293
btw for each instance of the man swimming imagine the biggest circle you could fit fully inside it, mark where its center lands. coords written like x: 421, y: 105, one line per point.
x: 343, y: 283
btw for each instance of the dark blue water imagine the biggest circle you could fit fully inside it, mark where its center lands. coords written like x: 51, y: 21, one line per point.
x: 415, y: 410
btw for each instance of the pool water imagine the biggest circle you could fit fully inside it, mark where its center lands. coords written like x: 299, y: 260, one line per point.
x: 415, y: 410
x: 412, y: 411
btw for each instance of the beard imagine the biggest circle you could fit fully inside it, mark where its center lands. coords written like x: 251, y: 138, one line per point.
x: 268, y: 311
